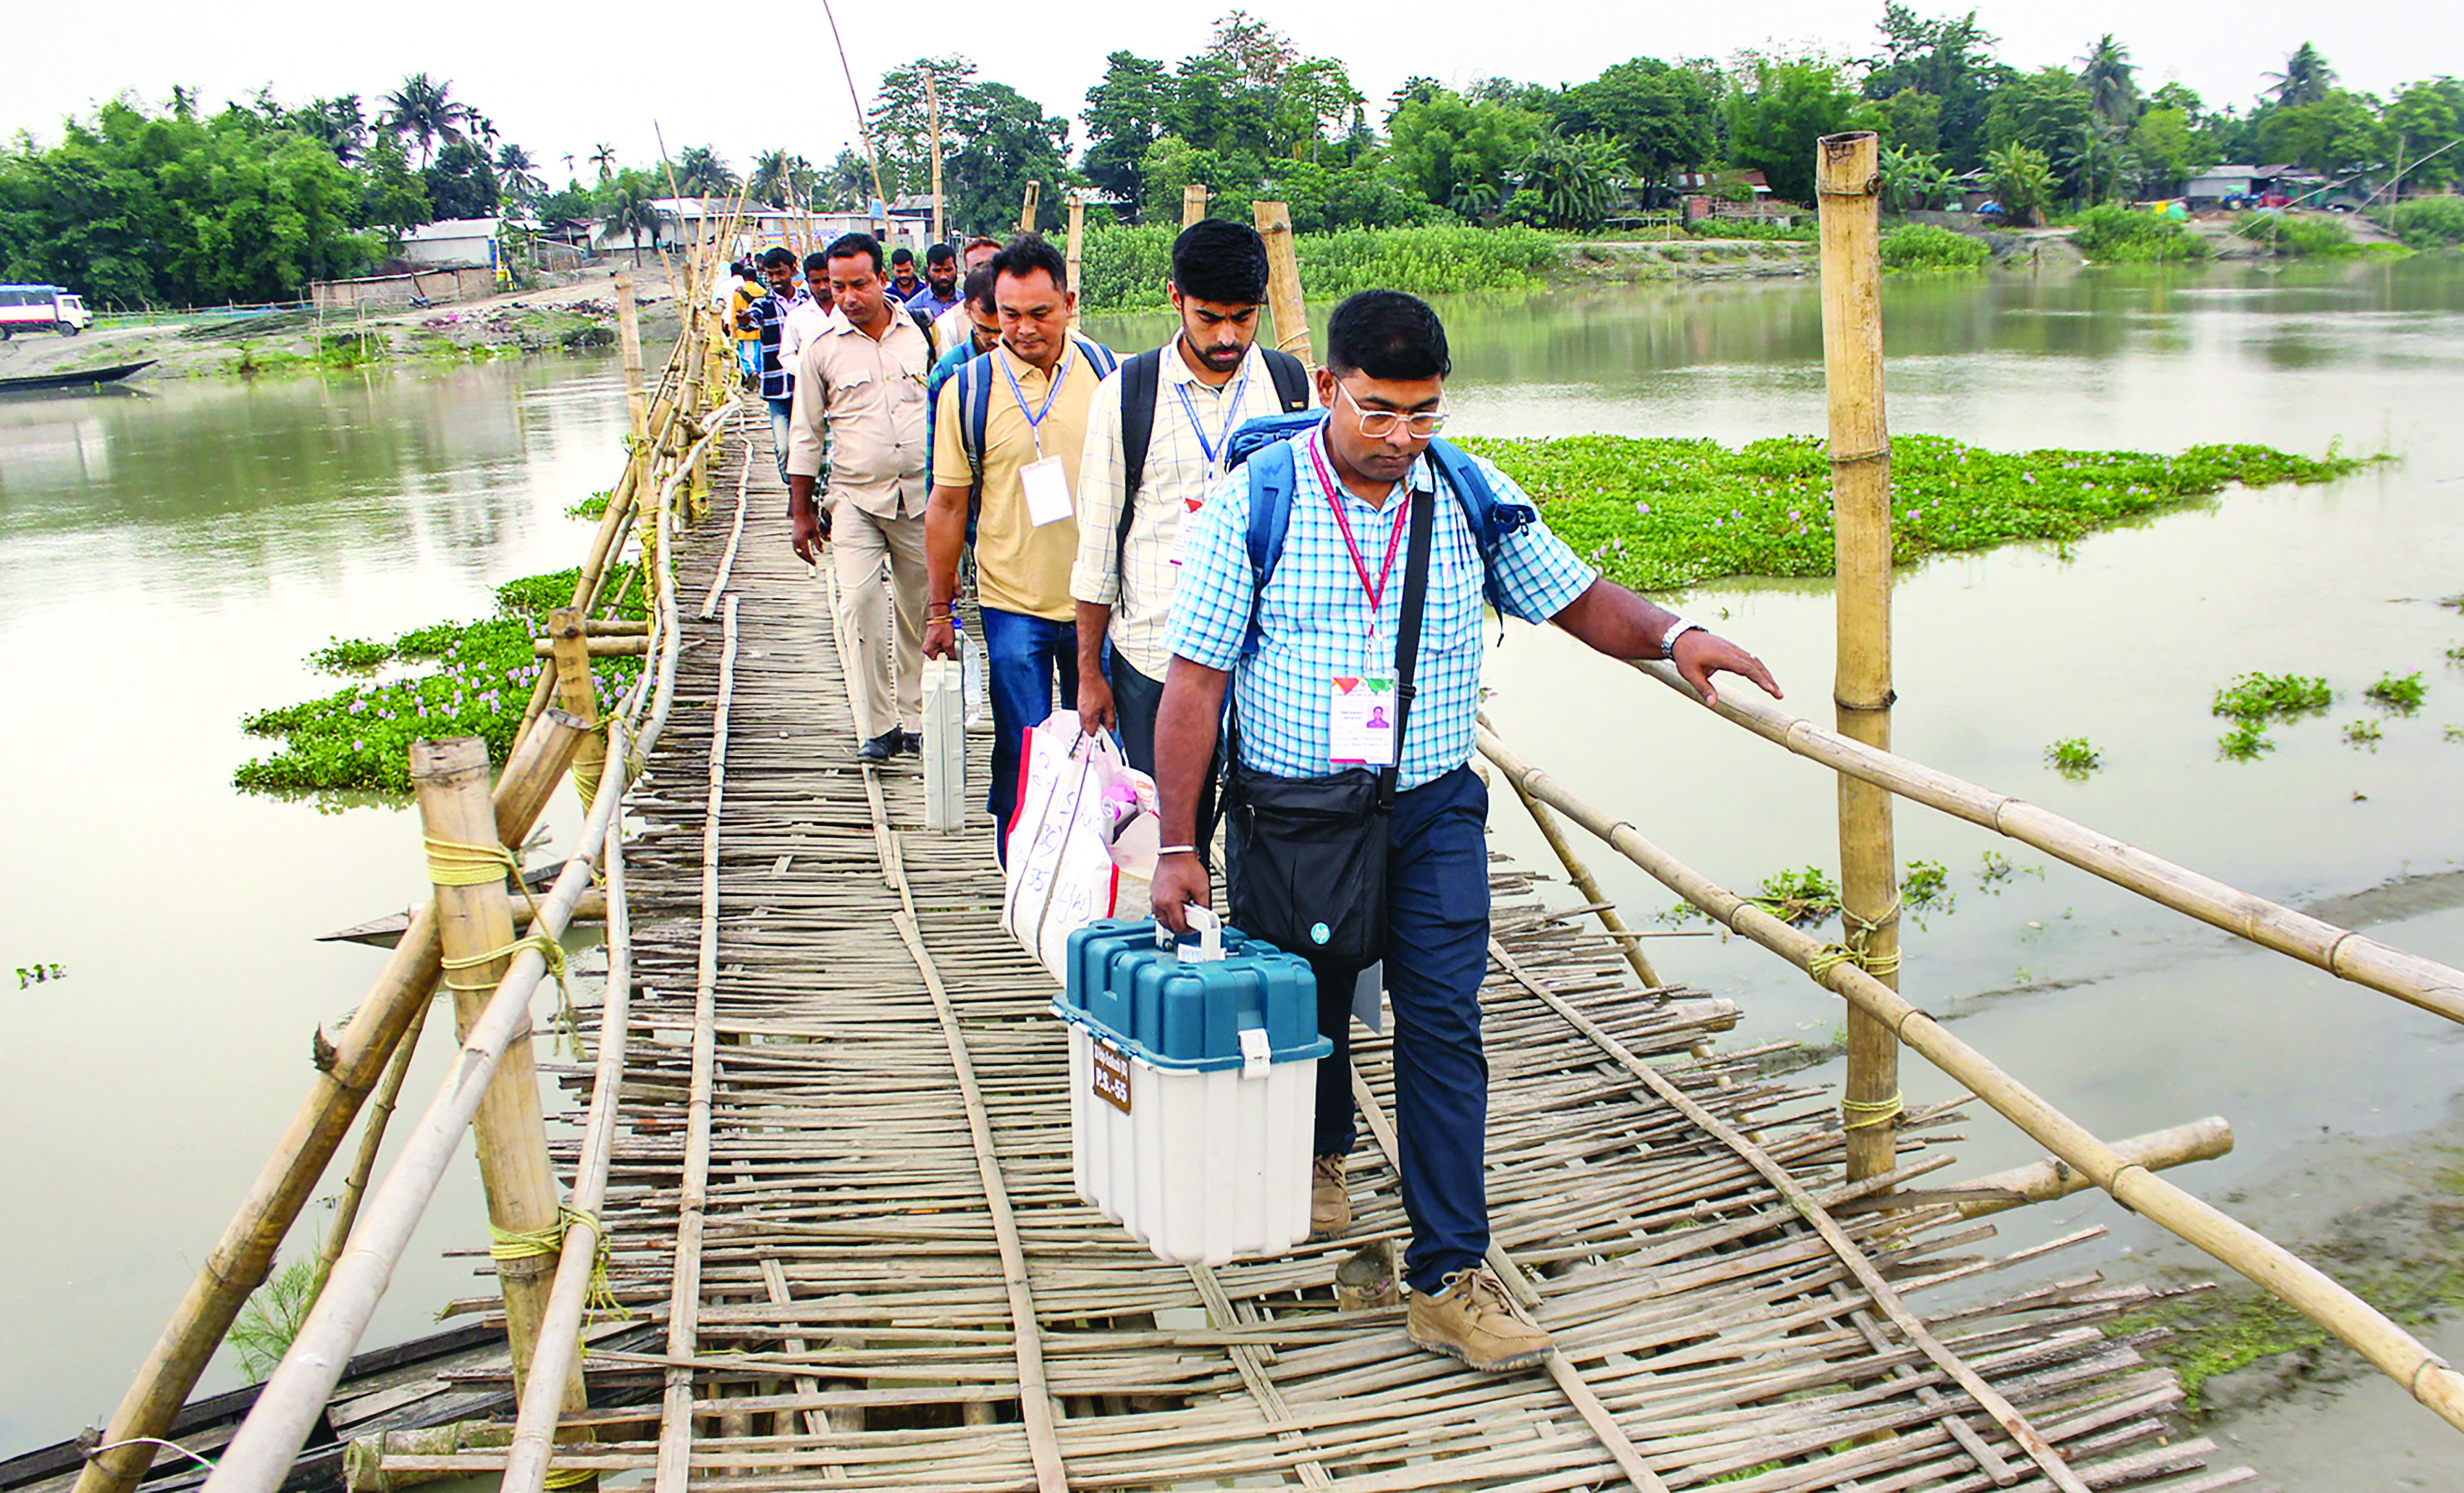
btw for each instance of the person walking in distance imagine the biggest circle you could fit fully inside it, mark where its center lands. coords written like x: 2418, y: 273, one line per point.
x: 950, y: 327
x: 767, y: 317
x: 1158, y: 439
x: 1008, y: 435
x: 1338, y: 578
x: 860, y: 397
x: 941, y: 290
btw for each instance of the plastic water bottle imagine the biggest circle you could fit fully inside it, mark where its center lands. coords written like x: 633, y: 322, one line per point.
x: 971, y: 667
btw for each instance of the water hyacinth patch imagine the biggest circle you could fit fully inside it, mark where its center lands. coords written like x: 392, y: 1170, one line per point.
x: 359, y: 738
x: 1657, y: 514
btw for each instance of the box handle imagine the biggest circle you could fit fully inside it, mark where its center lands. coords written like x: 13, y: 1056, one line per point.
x: 1209, y: 947
x: 1256, y: 1056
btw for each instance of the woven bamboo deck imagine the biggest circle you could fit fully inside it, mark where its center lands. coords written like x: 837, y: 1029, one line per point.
x: 844, y: 1182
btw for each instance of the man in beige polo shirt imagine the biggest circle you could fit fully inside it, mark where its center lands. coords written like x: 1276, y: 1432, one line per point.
x: 859, y: 403
x: 1013, y: 423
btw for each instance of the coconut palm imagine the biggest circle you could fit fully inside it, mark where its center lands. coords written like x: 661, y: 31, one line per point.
x: 2111, y: 81
x: 1913, y: 180
x: 424, y: 110
x: 2306, y: 78
x: 1575, y: 178
x: 517, y: 177
x: 701, y: 173
x: 634, y: 210
x: 604, y: 157
x: 2023, y: 181
x: 1472, y: 199
x: 778, y: 175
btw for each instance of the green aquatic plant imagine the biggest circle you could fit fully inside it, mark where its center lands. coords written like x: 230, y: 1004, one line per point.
x: 1994, y: 871
x: 2362, y: 733
x: 2263, y: 697
x: 39, y: 974
x: 350, y: 655
x: 272, y: 1317
x: 1660, y: 513
x: 2116, y: 234
x: 1798, y: 897
x: 2245, y: 743
x: 1924, y: 887
x: 595, y: 506
x: 2402, y: 695
x: 1921, y: 246
x: 2074, y: 758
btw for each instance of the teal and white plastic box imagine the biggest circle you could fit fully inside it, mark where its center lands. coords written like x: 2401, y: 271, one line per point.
x: 1192, y: 1074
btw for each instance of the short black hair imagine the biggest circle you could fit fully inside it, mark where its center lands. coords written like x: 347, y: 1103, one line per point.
x: 902, y: 255
x: 1388, y: 335
x: 742, y: 267
x: 1029, y: 252
x: 779, y: 257
x: 980, y: 241
x: 817, y: 263
x: 848, y: 246
x: 979, y: 289
x: 1219, y: 260
x: 939, y: 253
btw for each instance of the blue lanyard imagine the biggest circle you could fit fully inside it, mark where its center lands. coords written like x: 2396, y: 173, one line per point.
x: 1231, y: 412
x: 1035, y: 421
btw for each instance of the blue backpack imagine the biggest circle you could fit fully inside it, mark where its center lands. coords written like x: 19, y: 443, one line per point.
x: 974, y: 379
x: 1265, y: 446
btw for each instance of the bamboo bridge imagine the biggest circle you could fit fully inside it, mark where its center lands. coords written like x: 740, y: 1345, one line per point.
x: 822, y: 1173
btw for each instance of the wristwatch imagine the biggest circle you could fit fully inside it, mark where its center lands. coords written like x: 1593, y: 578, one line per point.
x: 1676, y: 630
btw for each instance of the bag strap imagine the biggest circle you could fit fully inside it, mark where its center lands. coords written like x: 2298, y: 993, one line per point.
x: 1407, y: 634
x: 1291, y: 380
x: 1141, y: 387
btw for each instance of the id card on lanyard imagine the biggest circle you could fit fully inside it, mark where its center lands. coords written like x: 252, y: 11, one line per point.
x: 1214, y: 451
x: 1047, y: 483
x: 1361, y: 713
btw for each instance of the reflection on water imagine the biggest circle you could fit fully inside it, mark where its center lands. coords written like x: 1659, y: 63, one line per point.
x: 168, y: 557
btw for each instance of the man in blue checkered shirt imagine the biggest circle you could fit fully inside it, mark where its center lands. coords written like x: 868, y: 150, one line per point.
x: 1325, y: 624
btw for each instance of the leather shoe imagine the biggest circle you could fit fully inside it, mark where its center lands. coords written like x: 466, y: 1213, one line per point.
x: 911, y: 742
x: 879, y: 748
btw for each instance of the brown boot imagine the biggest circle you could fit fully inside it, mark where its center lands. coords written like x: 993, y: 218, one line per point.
x: 1470, y: 1317
x: 1329, y: 1201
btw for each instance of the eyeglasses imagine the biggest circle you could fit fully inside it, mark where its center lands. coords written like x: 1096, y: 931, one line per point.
x: 1378, y: 424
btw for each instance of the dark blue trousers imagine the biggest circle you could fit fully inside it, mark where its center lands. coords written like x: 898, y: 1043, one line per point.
x: 1436, y: 954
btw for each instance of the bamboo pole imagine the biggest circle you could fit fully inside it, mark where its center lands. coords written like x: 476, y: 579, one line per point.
x: 2341, y: 951
x: 1847, y: 178
x: 1275, y: 221
x: 1193, y: 203
x: 475, y: 923
x: 1028, y: 202
x: 932, y: 107
x: 618, y: 647
x: 577, y: 690
x: 2267, y: 1263
x: 246, y: 1251
x: 372, y: 1131
x: 628, y: 342
x: 1077, y: 253
x: 2043, y: 1181
x: 1630, y: 944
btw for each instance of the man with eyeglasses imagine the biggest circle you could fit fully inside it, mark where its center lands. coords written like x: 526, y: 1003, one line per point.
x: 984, y: 334
x: 1298, y: 656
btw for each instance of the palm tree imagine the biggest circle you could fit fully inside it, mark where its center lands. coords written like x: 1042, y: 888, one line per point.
x: 517, y: 174
x: 423, y: 109
x: 633, y: 210
x: 2108, y: 73
x: 2306, y: 78
x: 778, y: 175
x: 1473, y: 199
x: 2023, y: 181
x: 701, y: 173
x: 604, y: 157
x: 1574, y: 178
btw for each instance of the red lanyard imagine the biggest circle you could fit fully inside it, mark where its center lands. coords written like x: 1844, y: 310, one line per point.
x: 1401, y: 501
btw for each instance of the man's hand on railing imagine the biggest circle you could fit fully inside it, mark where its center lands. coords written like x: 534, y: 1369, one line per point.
x: 1701, y: 653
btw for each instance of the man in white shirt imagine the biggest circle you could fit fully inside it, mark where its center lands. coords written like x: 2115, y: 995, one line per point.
x: 952, y: 328
x: 1156, y: 444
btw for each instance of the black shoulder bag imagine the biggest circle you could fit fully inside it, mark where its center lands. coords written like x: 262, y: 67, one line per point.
x: 1306, y: 856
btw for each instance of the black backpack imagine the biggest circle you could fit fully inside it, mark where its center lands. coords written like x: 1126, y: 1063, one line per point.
x: 1142, y: 385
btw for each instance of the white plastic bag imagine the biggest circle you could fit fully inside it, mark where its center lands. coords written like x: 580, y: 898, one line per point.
x: 1084, y: 839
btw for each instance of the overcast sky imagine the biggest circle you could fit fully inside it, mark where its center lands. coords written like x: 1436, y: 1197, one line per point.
x: 559, y: 81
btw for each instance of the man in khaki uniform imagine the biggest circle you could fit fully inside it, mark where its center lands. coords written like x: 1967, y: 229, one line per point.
x: 859, y: 403
x: 1013, y: 423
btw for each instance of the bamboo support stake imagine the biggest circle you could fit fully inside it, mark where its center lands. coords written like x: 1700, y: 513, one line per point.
x: 1076, y: 254
x: 1193, y: 203
x: 2279, y: 1271
x: 1284, y: 281
x: 475, y: 922
x: 629, y: 343
x: 577, y: 690
x: 1028, y: 202
x: 2341, y: 951
x: 1630, y: 944
x: 933, y: 113
x: 372, y: 1131
x: 241, y: 1257
x: 2043, y: 1181
x: 1847, y: 179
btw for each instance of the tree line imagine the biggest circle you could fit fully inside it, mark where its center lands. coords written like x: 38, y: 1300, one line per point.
x: 145, y: 207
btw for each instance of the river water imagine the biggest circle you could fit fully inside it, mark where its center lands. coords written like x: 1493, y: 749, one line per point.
x: 169, y: 558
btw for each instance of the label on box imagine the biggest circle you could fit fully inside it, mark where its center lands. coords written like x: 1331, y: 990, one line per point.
x: 1111, y: 1069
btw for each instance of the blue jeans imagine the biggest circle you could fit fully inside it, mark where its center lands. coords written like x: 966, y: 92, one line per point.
x: 780, y: 409
x: 1436, y: 954
x: 1023, y: 658
x: 748, y: 356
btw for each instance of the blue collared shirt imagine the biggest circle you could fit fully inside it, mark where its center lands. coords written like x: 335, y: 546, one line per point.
x: 770, y: 318
x: 1314, y: 621
x: 925, y: 300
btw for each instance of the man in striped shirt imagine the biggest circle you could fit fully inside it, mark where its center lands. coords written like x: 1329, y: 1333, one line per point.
x: 1192, y: 394
x: 1290, y: 651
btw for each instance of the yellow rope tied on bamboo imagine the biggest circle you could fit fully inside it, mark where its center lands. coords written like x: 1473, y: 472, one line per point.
x: 458, y: 863
x: 1858, y: 950
x: 568, y: 1477
x: 1865, y: 1116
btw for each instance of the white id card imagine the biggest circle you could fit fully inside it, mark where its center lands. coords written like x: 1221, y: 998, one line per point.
x: 1362, y: 723
x: 1048, y: 492
x: 1189, y: 507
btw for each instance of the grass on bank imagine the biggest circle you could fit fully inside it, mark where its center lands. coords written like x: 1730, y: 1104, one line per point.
x: 1924, y: 247
x: 1658, y: 513
x: 2115, y: 234
x: 1124, y: 268
x: 460, y: 679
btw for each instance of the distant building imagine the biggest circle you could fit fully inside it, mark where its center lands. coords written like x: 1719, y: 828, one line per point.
x: 452, y: 243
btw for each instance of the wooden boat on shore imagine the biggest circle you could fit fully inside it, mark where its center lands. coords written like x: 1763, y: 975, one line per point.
x: 75, y: 379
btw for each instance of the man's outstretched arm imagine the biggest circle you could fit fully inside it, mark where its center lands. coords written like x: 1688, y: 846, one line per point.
x: 1622, y: 625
